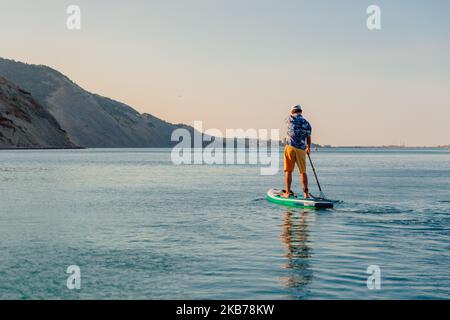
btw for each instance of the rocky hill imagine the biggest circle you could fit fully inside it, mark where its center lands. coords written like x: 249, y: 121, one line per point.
x: 89, y: 119
x: 24, y: 123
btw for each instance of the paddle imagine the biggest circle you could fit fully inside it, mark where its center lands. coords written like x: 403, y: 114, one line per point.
x: 322, y: 195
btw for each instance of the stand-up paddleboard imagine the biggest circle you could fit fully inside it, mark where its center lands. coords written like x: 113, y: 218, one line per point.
x: 274, y: 195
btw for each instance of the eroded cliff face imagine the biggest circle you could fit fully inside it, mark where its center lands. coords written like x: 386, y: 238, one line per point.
x: 24, y: 123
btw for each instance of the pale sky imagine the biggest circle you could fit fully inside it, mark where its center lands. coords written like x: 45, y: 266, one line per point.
x: 242, y: 64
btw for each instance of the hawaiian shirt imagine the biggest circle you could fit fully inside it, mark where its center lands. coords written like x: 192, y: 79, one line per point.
x: 298, y: 129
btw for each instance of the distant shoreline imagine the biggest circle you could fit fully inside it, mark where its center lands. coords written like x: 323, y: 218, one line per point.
x: 382, y: 147
x: 281, y: 145
x: 42, y: 148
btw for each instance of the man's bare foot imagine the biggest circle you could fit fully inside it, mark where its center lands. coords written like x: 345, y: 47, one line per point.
x: 306, y: 194
x: 285, y: 195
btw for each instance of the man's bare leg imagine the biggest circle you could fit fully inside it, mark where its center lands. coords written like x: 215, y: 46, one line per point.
x: 304, y: 178
x: 288, y: 182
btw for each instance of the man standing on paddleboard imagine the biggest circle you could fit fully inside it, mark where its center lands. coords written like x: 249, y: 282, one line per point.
x: 298, y: 145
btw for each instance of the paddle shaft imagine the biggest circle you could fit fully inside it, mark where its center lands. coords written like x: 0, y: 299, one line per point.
x: 315, y: 174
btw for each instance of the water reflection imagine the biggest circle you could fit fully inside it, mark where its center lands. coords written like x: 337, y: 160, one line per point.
x: 295, y: 238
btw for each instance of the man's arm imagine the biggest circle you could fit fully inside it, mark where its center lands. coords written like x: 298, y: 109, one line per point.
x: 308, y: 144
x: 308, y: 138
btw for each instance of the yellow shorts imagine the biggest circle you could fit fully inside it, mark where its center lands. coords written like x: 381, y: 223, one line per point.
x: 292, y: 156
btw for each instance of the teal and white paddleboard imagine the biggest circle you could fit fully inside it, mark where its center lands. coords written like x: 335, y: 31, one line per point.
x: 274, y: 195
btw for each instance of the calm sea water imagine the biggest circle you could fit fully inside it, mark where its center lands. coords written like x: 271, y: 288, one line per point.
x: 142, y: 228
